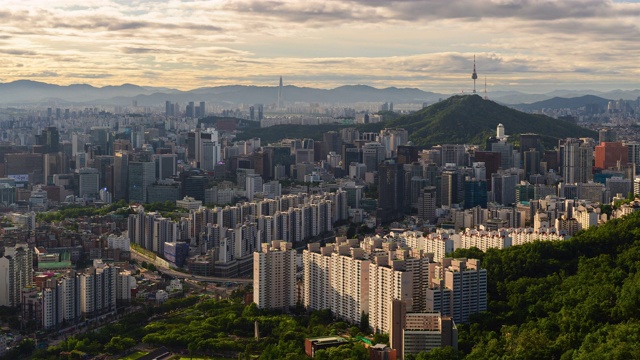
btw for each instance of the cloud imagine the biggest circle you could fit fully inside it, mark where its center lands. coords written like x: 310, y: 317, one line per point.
x: 18, y: 52
x: 410, y: 10
x: 90, y: 76
x: 43, y: 74
x: 427, y: 44
x: 144, y: 50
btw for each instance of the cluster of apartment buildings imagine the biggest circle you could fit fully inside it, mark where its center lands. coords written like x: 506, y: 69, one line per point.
x: 51, y: 299
x: 229, y: 235
x: 367, y: 279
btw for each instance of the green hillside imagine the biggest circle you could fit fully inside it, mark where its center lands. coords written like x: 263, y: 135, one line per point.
x: 468, y: 119
x: 575, y: 299
x: 565, y: 103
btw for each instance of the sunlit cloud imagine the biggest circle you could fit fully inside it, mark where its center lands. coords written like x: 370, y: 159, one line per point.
x: 528, y: 45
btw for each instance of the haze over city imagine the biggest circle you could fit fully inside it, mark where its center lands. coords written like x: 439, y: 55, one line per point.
x: 530, y: 46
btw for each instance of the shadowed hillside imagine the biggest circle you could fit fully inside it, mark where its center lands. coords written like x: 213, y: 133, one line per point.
x: 468, y: 119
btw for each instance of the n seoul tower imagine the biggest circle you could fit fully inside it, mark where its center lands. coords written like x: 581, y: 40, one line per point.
x: 474, y: 76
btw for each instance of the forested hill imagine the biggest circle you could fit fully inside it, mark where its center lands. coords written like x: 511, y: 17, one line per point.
x: 574, y: 299
x: 565, y: 103
x: 469, y: 119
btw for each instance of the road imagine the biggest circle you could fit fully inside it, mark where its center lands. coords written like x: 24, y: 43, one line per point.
x: 180, y: 275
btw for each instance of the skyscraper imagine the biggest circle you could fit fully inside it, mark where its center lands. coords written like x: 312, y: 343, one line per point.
x: 16, y: 272
x: 274, y: 276
x: 121, y: 176
x: 50, y: 139
x: 141, y: 175
x: 89, y: 179
x: 202, y: 110
x: 427, y: 204
x: 576, y: 161
x: 280, y: 99
x: 349, y: 281
x: 611, y: 155
x: 451, y: 186
x: 316, y: 262
x: 459, y: 289
x: 390, y: 190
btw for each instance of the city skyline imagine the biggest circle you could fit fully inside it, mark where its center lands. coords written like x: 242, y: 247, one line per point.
x: 519, y: 45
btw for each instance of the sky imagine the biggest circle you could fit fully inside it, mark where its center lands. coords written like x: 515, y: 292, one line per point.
x: 531, y: 46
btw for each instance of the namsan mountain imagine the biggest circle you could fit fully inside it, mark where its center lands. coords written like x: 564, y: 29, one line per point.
x: 470, y: 119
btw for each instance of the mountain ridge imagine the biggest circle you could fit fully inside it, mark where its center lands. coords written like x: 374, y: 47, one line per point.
x: 559, y: 102
x: 38, y: 93
x: 469, y: 119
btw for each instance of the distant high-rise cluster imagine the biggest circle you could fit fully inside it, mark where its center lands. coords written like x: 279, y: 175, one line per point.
x: 280, y: 103
x: 191, y: 109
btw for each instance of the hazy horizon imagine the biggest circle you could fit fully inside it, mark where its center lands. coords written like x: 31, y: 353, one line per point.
x: 531, y: 46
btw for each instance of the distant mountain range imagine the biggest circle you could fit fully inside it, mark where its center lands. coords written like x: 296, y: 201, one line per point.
x: 39, y: 93
x: 564, y: 103
x: 469, y: 119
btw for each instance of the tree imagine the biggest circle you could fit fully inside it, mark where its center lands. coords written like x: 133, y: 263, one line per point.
x: 118, y: 344
x: 379, y: 338
x: 364, y: 323
x: 445, y: 353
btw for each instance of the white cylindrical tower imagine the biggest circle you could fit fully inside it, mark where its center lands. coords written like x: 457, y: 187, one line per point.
x: 500, y: 131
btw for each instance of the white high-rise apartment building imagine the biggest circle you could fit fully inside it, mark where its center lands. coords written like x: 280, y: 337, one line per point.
x: 316, y: 263
x: 388, y: 281
x: 349, y: 278
x: 439, y: 244
x: 16, y: 273
x: 459, y: 289
x: 253, y: 185
x: 274, y: 276
x: 98, y: 290
x: 125, y: 282
x: 207, y: 149
x: 119, y: 242
x: 60, y: 301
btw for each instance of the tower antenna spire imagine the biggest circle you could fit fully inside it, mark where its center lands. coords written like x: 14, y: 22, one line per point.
x: 280, y: 99
x: 474, y: 76
x: 485, y: 89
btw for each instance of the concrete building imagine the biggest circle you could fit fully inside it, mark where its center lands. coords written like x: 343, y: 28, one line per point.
x: 427, y: 204
x: 611, y: 155
x: 98, y: 290
x: 316, y: 263
x: 189, y: 203
x: 576, y: 161
x: 16, y: 272
x: 274, y: 282
x: 458, y: 289
x: 89, y: 182
x: 349, y: 280
x: 412, y: 332
x: 141, y: 176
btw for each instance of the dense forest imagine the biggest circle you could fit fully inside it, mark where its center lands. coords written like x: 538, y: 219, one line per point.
x: 573, y: 299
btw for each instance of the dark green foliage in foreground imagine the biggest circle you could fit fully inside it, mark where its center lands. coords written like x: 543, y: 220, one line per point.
x: 113, y: 338
x: 574, y: 299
